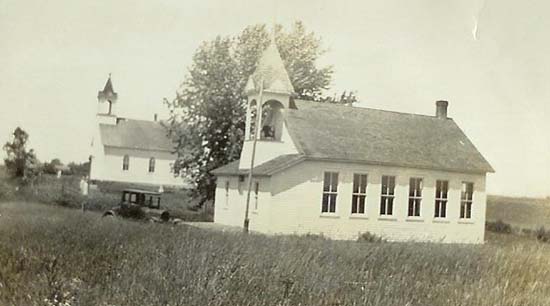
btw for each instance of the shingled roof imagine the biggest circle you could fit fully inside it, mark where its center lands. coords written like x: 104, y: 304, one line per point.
x: 265, y: 169
x: 344, y: 133
x: 324, y: 131
x: 136, y: 134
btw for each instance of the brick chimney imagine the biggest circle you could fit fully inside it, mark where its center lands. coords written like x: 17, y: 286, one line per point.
x: 441, y: 109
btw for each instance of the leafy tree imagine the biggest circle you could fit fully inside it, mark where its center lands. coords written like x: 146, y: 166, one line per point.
x: 79, y: 169
x: 51, y: 167
x: 208, y: 114
x: 19, y: 162
x: 345, y: 98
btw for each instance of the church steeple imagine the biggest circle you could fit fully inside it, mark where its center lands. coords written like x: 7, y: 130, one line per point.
x: 107, y: 98
x: 271, y: 70
x: 269, y: 92
x: 272, y: 79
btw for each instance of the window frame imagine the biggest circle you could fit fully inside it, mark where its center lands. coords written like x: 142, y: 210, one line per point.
x: 331, y: 195
x: 126, y: 162
x: 227, y: 185
x: 356, y: 196
x: 414, y: 208
x: 386, y: 197
x: 441, y: 199
x: 152, y: 165
x: 466, y: 202
x: 256, y: 192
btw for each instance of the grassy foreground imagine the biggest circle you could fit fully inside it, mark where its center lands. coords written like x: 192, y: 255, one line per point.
x: 56, y: 256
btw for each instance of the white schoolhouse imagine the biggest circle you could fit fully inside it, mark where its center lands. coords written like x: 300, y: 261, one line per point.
x: 341, y: 171
x: 128, y: 150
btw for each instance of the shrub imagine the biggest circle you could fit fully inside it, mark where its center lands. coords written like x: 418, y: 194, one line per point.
x: 6, y: 191
x: 369, y: 237
x: 527, y: 231
x: 498, y: 226
x: 313, y: 236
x: 542, y: 234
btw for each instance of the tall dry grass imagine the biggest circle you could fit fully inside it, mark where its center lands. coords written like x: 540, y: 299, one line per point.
x: 53, y: 256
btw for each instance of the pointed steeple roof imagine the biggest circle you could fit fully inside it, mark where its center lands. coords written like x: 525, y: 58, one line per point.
x: 108, y: 86
x: 272, y: 70
x: 108, y: 92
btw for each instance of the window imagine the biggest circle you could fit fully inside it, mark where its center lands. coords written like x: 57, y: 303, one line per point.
x: 227, y: 193
x: 151, y: 165
x: 466, y: 199
x: 256, y: 189
x: 441, y: 191
x: 388, y: 193
x: 240, y: 184
x: 330, y: 191
x: 415, y: 196
x: 359, y: 194
x: 126, y: 163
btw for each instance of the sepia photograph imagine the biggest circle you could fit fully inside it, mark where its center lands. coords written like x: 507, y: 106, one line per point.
x: 315, y: 152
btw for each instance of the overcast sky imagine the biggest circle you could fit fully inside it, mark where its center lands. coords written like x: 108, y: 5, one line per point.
x: 490, y: 59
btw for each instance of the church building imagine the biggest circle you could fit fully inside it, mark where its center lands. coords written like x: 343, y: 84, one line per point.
x: 342, y: 171
x: 128, y: 150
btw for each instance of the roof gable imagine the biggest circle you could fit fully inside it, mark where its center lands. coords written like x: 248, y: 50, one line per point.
x: 136, y: 134
x: 336, y: 132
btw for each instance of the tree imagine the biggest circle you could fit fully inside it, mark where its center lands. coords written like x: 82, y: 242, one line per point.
x: 344, y: 98
x: 207, y: 118
x: 51, y: 167
x: 19, y: 162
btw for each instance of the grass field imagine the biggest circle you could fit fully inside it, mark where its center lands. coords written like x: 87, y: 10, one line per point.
x: 57, y: 256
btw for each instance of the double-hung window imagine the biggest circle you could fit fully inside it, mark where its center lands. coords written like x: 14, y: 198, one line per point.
x: 359, y: 194
x: 441, y: 192
x: 330, y: 192
x: 415, y: 196
x: 388, y: 194
x: 466, y: 199
x: 256, y: 190
x: 126, y: 163
x: 227, y: 193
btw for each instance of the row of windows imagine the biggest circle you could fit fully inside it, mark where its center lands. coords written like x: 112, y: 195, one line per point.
x: 126, y: 163
x: 387, y: 195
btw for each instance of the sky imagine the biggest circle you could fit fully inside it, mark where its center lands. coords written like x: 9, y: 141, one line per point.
x: 490, y: 59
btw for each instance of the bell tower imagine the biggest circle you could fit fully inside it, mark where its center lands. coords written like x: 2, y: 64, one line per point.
x: 269, y: 91
x: 106, y: 103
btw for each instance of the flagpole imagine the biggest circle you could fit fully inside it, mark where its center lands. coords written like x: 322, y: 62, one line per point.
x: 251, y: 170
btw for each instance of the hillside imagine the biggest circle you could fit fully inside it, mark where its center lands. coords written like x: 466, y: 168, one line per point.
x: 521, y: 213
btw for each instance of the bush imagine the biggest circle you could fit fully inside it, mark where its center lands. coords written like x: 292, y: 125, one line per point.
x: 527, y: 231
x: 542, y: 234
x: 6, y: 191
x: 369, y: 237
x: 498, y: 226
x: 312, y: 236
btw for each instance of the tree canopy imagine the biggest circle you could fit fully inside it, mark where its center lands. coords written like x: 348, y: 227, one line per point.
x: 208, y: 114
x: 19, y: 162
